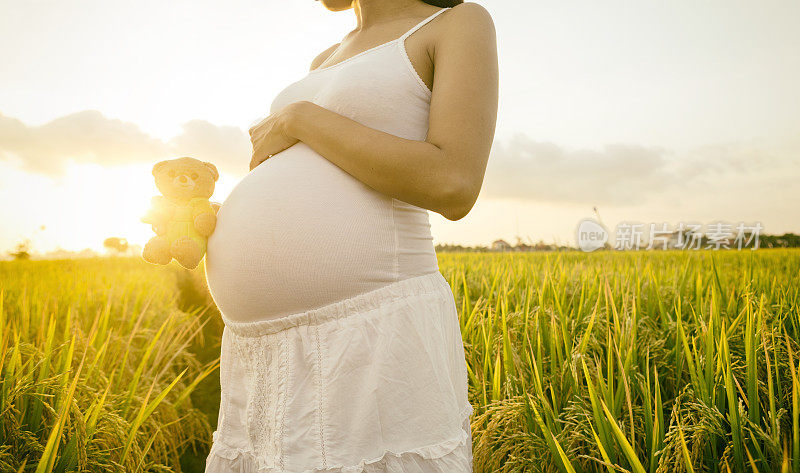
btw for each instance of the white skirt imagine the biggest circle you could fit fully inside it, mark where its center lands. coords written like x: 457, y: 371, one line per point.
x: 373, y: 383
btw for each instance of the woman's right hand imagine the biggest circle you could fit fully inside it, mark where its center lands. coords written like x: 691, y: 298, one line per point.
x: 271, y: 135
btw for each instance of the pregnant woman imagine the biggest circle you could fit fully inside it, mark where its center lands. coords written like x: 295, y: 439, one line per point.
x: 342, y: 350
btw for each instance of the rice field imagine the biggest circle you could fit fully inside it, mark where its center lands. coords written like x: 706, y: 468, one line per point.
x: 96, y: 368
x: 603, y: 362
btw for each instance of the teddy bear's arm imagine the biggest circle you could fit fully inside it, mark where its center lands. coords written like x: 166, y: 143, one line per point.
x: 200, y: 205
x: 160, y: 208
x: 159, y: 214
x: 204, y: 216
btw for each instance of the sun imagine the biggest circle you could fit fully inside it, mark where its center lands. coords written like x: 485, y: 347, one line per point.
x: 79, y: 208
x: 86, y: 204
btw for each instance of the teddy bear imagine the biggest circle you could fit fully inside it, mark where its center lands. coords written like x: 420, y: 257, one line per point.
x: 183, y: 218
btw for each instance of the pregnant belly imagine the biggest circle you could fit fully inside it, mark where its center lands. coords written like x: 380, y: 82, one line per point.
x: 295, y: 234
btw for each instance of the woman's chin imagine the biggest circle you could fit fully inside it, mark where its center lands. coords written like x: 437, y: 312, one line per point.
x: 337, y: 5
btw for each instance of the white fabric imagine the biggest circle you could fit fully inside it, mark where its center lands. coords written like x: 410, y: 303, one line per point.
x: 342, y: 350
x: 298, y: 232
x: 373, y: 383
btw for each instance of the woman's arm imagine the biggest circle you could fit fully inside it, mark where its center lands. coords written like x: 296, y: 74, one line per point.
x: 444, y: 173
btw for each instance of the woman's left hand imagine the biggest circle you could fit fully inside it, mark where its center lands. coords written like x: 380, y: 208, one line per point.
x: 271, y: 136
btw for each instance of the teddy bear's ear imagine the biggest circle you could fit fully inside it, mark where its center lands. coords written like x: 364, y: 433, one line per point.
x: 159, y: 166
x: 213, y: 170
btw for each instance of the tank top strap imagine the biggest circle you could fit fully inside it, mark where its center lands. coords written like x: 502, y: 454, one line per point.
x: 421, y: 24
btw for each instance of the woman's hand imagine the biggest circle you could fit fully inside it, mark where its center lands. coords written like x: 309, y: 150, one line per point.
x: 272, y: 136
x: 443, y: 173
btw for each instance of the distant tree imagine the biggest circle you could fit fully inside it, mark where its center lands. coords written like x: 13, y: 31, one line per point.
x: 787, y: 240
x: 116, y: 244
x: 22, y: 251
x: 445, y: 247
x: 501, y: 245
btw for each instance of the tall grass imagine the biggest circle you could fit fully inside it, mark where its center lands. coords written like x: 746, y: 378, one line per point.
x: 640, y: 361
x: 95, y: 370
x: 647, y: 362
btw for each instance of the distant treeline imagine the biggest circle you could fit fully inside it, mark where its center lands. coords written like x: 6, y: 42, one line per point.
x: 787, y: 240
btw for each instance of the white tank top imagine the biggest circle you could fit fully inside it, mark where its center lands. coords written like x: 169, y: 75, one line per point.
x: 298, y: 232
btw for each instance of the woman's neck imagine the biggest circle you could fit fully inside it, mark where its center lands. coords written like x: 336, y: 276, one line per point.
x: 373, y: 12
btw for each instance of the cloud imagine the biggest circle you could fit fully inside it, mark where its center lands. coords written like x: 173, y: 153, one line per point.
x: 533, y: 170
x: 90, y: 137
x: 627, y: 174
x: 228, y: 147
x: 519, y: 168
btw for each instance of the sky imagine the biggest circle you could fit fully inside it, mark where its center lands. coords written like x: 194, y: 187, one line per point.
x: 652, y: 112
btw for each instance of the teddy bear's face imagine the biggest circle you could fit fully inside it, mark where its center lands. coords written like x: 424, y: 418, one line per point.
x: 182, y: 179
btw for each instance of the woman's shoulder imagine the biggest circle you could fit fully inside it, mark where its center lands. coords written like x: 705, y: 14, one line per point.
x: 321, y: 57
x: 467, y: 16
x: 467, y: 26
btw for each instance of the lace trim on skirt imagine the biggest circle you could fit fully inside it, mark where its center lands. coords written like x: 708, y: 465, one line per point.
x: 452, y: 455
